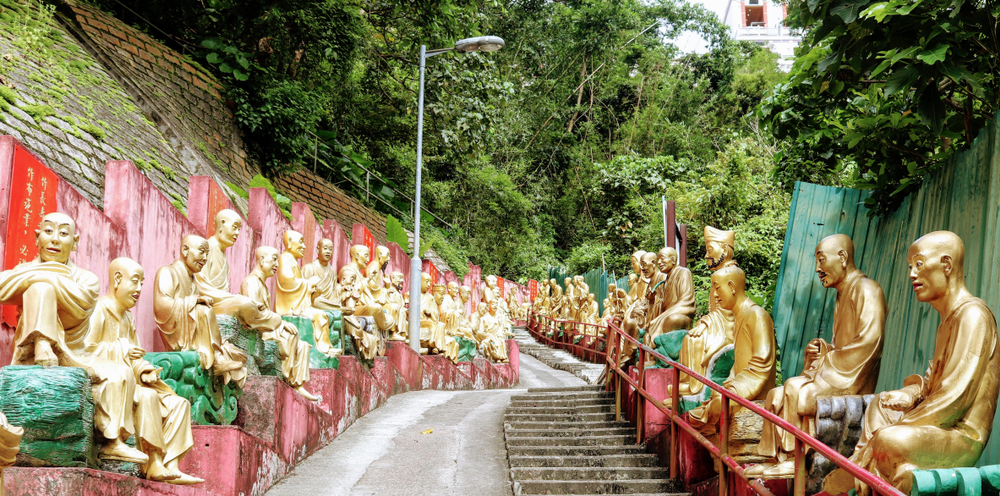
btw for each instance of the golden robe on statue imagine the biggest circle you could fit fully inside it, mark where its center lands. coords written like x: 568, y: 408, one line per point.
x: 950, y: 422
x: 186, y: 325
x: 213, y: 281
x: 675, y: 303
x: 162, y: 419
x: 753, y: 372
x: 847, y: 366
x: 326, y: 288
x: 295, y: 297
x: 293, y: 352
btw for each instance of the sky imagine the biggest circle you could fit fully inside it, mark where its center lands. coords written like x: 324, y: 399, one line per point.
x: 692, y: 42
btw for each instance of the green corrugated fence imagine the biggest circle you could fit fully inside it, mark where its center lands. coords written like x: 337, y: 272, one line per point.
x: 964, y: 198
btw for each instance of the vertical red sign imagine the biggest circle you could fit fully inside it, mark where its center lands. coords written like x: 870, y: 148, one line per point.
x: 500, y: 282
x: 533, y: 289
x: 369, y: 241
x: 32, y: 195
x: 432, y: 270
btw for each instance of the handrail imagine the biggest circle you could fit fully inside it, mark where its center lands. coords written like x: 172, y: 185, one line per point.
x: 801, y: 438
x: 568, y: 328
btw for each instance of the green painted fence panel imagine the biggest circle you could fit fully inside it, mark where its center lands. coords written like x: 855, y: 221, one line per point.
x: 964, y: 198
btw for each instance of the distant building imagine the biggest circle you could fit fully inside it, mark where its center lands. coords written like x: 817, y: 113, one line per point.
x: 761, y: 21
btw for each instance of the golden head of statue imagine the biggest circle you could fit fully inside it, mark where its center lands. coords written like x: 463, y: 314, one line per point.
x: 324, y: 251
x: 382, y: 256
x: 294, y: 243
x: 56, y: 238
x: 649, y: 267
x: 834, y: 260
x: 227, y: 227
x: 439, y: 291
x: 719, y: 247
x: 360, y: 256
x: 425, y: 282
x: 397, y: 279
x: 465, y: 293
x: 636, y: 261
x: 194, y: 253
x: 666, y: 259
x: 453, y: 290
x: 267, y: 261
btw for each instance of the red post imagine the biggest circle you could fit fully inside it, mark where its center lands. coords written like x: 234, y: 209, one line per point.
x: 800, y: 468
x: 724, y: 446
x: 684, y: 246
x: 671, y: 223
x: 640, y: 400
x: 675, y: 403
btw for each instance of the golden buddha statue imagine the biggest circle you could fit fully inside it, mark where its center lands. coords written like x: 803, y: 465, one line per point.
x: 432, y: 333
x: 567, y: 307
x: 185, y: 316
x: 674, y: 297
x: 591, y: 314
x: 944, y: 418
x: 374, y: 298
x: 351, y: 285
x: 753, y: 372
x: 56, y: 299
x: 555, y: 299
x: 636, y: 284
x: 492, y: 344
x: 292, y: 351
x: 456, y: 318
x: 323, y: 273
x: 54, y: 295
x: 640, y: 312
x: 446, y: 316
x: 398, y: 299
x: 295, y: 293
x: 713, y: 331
x: 470, y: 321
x: 161, y: 420
x: 847, y: 365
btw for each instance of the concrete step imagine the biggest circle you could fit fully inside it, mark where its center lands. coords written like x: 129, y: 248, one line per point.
x: 571, y: 402
x: 619, y: 440
x: 630, y: 460
x: 612, y: 431
x: 589, y: 473
x: 565, y: 425
x: 564, y: 417
x: 628, y: 449
x: 566, y: 396
x: 655, y: 486
x: 566, y: 389
x: 561, y: 410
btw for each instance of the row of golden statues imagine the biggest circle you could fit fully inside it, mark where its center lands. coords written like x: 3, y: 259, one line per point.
x: 942, y: 419
x: 63, y: 322
x: 575, y: 304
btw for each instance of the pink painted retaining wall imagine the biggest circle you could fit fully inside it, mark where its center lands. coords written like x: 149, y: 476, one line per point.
x: 276, y: 428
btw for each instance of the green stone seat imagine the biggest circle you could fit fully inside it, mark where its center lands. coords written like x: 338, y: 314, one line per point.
x: 318, y: 360
x: 466, y: 349
x: 212, y: 402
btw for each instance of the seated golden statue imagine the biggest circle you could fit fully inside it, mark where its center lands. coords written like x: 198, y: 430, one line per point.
x: 714, y: 331
x: 492, y: 344
x: 470, y: 322
x: 753, y: 372
x: 447, y: 317
x: 636, y: 283
x: 323, y: 274
x: 185, y: 316
x: 161, y: 418
x: 296, y: 293
x: 55, y: 300
x: 376, y: 296
x: 554, y: 299
x: 639, y: 314
x: 847, y: 365
x: 54, y: 295
x: 432, y: 333
x: 292, y: 351
x: 213, y: 279
x: 591, y: 314
x: 398, y: 299
x: 674, y: 297
x: 944, y: 418
x: 351, y: 284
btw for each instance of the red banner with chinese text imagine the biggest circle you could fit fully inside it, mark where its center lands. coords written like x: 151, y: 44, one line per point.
x: 500, y: 282
x: 432, y: 270
x: 32, y: 196
x: 369, y: 241
x: 533, y: 289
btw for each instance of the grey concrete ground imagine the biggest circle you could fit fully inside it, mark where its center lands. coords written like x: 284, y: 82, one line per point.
x: 385, y: 453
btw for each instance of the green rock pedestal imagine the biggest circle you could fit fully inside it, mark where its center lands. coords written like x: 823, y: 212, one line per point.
x: 212, y: 403
x: 466, y: 349
x: 318, y: 360
x: 262, y: 355
x: 56, y: 409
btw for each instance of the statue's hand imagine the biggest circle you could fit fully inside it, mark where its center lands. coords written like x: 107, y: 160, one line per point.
x: 150, y: 377
x: 697, y: 331
x: 136, y: 353
x: 812, y: 350
x: 897, y: 400
x: 205, y: 300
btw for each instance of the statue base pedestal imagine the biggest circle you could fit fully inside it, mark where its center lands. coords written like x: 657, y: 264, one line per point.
x: 212, y: 402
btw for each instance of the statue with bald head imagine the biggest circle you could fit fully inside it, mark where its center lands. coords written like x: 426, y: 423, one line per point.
x: 323, y: 273
x: 847, y: 365
x: 641, y: 311
x: 394, y: 286
x: 943, y: 418
x: 55, y: 297
x: 159, y: 419
x: 292, y: 351
x: 673, y: 306
x: 185, y: 317
x: 295, y: 293
x: 754, y: 367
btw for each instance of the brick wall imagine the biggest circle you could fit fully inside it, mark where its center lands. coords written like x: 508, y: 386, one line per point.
x: 331, y: 202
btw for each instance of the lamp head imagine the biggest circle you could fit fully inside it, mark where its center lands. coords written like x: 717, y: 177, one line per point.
x: 480, y: 44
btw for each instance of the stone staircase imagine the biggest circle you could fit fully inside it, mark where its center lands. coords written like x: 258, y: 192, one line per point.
x: 557, y: 359
x: 566, y: 441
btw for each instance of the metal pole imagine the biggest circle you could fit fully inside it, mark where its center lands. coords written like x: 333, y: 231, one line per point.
x: 666, y: 236
x: 413, y: 326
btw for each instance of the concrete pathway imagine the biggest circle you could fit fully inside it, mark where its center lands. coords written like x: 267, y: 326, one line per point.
x: 559, y: 359
x: 386, y: 452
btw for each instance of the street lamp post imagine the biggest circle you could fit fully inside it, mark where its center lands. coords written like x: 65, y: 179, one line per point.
x: 480, y: 44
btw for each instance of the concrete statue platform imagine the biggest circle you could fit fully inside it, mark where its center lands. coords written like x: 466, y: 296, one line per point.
x: 276, y: 428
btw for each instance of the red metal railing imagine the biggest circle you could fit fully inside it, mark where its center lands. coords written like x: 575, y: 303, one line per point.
x: 591, y: 346
x: 616, y: 375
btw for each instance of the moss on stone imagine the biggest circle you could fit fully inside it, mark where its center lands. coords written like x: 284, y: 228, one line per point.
x: 38, y: 112
x: 141, y: 164
x: 93, y: 130
x: 8, y: 95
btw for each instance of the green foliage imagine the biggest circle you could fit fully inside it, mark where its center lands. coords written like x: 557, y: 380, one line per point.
x: 8, y: 95
x: 395, y: 233
x: 883, y: 92
x: 38, y: 112
x: 586, y: 257
x: 284, y: 203
x: 93, y: 130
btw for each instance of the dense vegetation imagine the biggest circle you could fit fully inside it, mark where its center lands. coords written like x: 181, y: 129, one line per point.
x: 554, y: 151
